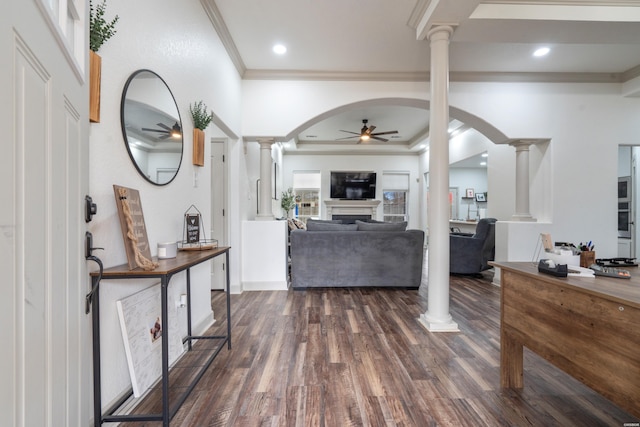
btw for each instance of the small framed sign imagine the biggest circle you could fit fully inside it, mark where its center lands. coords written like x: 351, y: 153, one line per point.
x: 193, y: 227
x: 480, y: 197
x: 470, y: 192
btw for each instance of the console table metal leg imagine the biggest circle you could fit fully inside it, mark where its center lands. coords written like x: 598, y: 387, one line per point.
x: 165, y: 352
x: 228, y: 302
x: 189, y: 308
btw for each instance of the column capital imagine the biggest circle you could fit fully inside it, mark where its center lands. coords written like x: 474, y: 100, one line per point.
x: 266, y: 142
x: 440, y: 32
x: 524, y: 143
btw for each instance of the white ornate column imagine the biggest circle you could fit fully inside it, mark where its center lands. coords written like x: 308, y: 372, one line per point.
x: 265, y: 211
x: 522, y: 180
x: 437, y: 317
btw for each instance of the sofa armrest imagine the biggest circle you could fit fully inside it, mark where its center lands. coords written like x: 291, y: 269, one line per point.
x: 465, y: 254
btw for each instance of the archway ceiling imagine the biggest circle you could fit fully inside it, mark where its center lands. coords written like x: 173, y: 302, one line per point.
x: 590, y: 41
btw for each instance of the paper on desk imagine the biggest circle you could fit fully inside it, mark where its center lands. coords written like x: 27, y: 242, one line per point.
x: 574, y: 270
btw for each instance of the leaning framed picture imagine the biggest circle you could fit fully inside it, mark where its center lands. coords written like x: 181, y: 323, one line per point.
x: 480, y: 197
x: 469, y: 193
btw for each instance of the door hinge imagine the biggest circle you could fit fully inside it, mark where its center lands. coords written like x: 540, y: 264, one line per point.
x: 223, y: 158
x: 223, y: 212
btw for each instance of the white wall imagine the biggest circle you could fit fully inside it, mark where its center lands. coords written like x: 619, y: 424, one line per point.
x: 177, y: 41
x: 585, y: 123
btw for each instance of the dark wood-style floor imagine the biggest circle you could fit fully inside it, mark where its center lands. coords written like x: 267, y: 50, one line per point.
x: 359, y: 357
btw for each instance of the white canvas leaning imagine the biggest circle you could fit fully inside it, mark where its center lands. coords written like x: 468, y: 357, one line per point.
x: 142, y: 333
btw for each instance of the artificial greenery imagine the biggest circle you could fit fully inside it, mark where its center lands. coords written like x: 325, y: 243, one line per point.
x: 288, y: 200
x: 201, y: 118
x: 99, y: 29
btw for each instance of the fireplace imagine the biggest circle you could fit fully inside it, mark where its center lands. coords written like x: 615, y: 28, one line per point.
x: 363, y: 209
x: 351, y: 219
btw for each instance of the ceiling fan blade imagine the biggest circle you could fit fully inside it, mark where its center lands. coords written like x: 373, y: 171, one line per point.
x: 163, y: 126
x: 379, y: 139
x: 385, y: 133
x: 349, y: 137
x: 154, y: 130
x: 371, y: 128
x: 348, y: 131
x: 164, y: 136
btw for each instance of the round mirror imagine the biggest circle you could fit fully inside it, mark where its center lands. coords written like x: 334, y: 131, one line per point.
x: 151, y: 127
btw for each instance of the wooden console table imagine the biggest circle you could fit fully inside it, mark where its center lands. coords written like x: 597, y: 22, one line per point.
x: 167, y: 268
x: 586, y: 326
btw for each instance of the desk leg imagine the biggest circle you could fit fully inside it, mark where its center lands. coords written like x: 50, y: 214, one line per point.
x: 511, y: 361
x: 165, y: 352
x: 97, y: 386
x: 228, y: 302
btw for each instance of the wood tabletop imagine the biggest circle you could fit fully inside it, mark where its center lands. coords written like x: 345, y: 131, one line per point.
x: 182, y: 261
x: 624, y: 291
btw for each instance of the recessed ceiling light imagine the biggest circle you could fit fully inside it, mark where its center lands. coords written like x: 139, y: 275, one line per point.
x: 483, y: 163
x: 541, y: 51
x: 485, y: 154
x: 280, y: 49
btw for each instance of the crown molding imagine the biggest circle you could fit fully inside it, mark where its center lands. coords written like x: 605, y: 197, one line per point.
x: 336, y: 75
x: 631, y: 74
x: 454, y: 76
x: 526, y: 77
x: 212, y: 11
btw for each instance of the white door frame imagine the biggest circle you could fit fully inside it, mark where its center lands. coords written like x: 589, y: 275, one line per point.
x: 219, y: 208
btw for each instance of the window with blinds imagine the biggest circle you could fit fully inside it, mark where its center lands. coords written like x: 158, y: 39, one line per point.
x: 306, y: 187
x: 395, y: 191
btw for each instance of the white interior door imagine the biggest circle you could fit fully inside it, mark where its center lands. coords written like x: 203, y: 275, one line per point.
x: 44, y: 357
x: 218, y: 211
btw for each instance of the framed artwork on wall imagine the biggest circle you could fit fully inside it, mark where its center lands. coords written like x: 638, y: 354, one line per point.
x: 469, y: 192
x: 480, y: 197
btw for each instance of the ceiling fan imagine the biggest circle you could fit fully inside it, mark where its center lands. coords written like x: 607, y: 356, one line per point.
x: 367, y: 133
x: 173, y: 132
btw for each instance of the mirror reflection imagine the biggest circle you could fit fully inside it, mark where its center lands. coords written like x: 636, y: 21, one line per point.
x: 151, y: 127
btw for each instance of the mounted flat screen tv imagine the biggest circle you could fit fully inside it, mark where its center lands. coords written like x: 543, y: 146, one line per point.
x: 353, y: 185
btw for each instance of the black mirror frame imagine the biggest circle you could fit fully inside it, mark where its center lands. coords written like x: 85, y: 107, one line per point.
x: 124, y: 131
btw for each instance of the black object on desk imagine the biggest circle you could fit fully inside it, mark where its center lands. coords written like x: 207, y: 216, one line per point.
x: 165, y: 271
x: 548, y: 266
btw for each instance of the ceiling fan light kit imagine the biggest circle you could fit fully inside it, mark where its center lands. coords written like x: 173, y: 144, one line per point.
x: 169, y: 132
x: 366, y: 133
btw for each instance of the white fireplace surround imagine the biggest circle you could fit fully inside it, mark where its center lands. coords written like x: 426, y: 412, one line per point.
x: 351, y: 207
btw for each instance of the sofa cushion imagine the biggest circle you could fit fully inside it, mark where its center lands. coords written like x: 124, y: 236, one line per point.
x: 325, y: 221
x: 384, y: 226
x: 327, y: 226
x: 296, y: 224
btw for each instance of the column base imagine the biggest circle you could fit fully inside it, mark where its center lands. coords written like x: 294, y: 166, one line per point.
x: 436, y: 325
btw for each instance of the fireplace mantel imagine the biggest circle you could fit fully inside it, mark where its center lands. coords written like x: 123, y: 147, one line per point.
x: 351, y: 207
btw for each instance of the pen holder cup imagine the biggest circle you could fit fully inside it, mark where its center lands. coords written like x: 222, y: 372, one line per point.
x: 587, y: 258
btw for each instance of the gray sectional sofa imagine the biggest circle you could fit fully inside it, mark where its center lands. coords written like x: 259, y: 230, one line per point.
x: 356, y: 255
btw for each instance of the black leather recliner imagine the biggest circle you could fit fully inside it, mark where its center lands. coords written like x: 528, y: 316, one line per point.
x: 470, y: 254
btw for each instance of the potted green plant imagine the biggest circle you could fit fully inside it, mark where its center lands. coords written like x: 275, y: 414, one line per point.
x: 201, y: 119
x: 288, y: 201
x: 100, y: 30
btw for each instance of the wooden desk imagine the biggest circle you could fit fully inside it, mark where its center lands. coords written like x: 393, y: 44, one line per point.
x: 165, y: 271
x: 588, y: 327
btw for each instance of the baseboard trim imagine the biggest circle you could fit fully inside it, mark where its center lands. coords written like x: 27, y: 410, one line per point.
x: 203, y: 325
x: 280, y: 285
